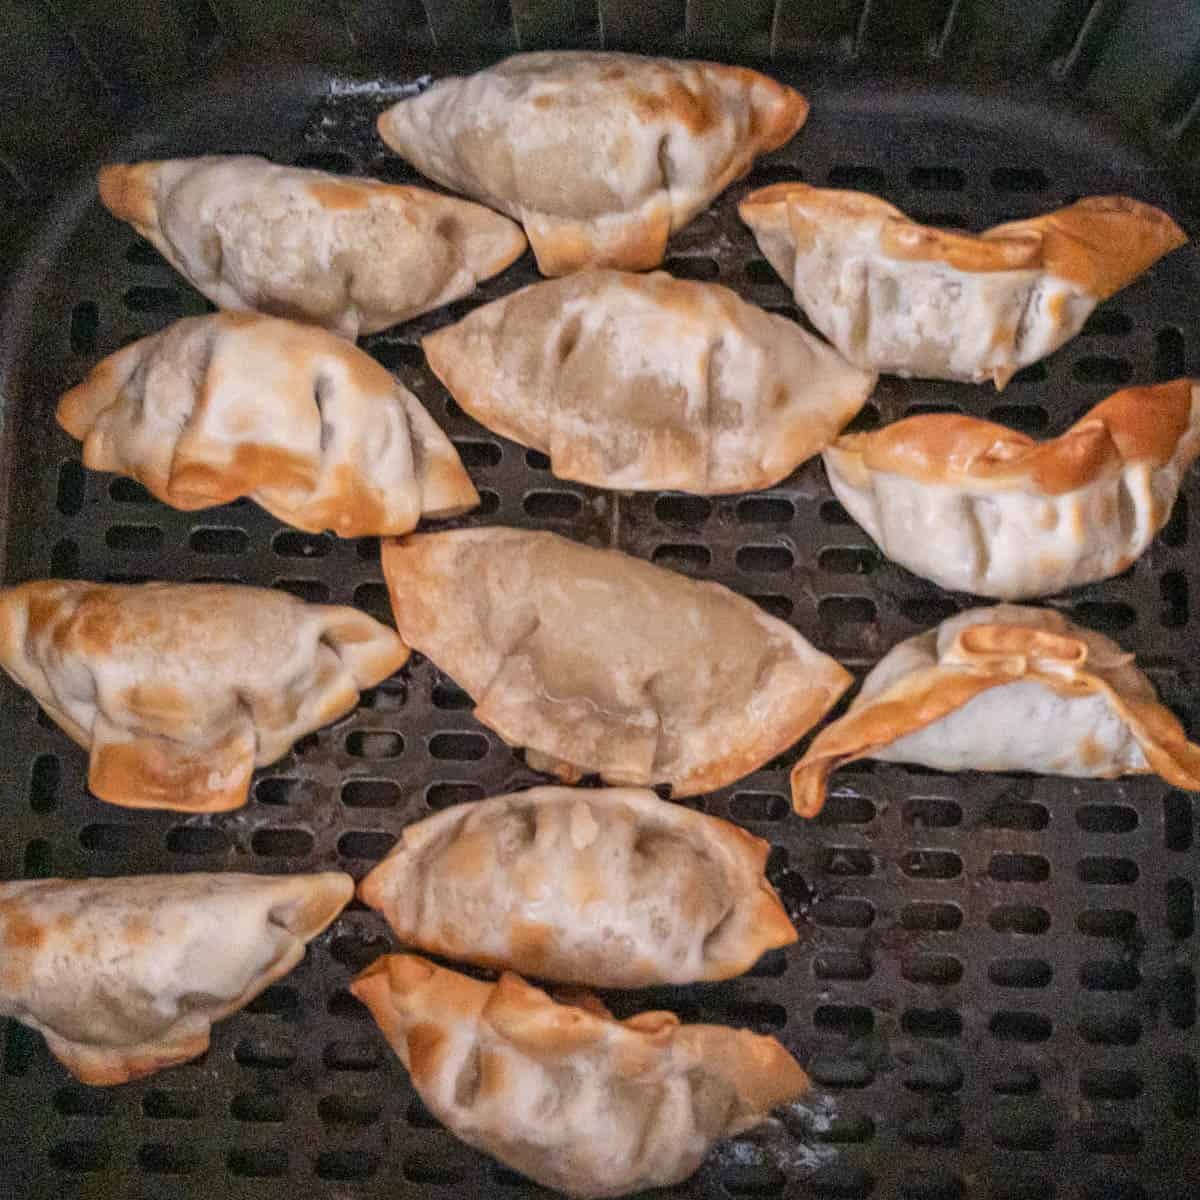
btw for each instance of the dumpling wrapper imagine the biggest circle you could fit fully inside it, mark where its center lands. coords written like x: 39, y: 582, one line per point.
x: 126, y: 976
x: 607, y: 887
x: 298, y: 419
x: 178, y: 691
x: 1005, y: 689
x: 353, y: 255
x: 980, y: 508
x: 564, y: 1093
x: 599, y: 662
x: 643, y: 381
x: 600, y: 156
x: 909, y: 299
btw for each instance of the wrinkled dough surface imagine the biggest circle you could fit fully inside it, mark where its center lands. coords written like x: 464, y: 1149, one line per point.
x: 350, y: 254
x: 603, y: 887
x: 302, y: 422
x: 600, y: 156
x: 127, y: 975
x: 607, y: 663
x: 644, y: 382
x: 179, y: 690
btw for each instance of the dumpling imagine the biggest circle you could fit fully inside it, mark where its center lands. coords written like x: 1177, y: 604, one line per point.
x: 600, y: 156
x: 353, y: 255
x: 608, y: 887
x: 126, y: 976
x: 178, y: 690
x: 909, y: 299
x: 980, y: 508
x: 302, y: 422
x: 599, y: 662
x: 1005, y: 689
x: 564, y: 1093
x: 644, y: 381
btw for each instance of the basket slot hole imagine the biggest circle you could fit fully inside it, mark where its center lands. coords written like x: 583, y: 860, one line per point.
x: 257, y: 1162
x: 692, y: 267
x: 282, y: 843
x: 312, y: 591
x: 358, y: 1054
x: 1016, y: 1128
x: 1036, y: 372
x: 553, y: 506
x: 850, y: 1130
x: 1027, y: 919
x: 372, y: 598
x: 857, y: 177
x: 291, y: 543
x: 931, y: 864
x: 346, y: 1166
x: 848, y: 623
x: 134, y: 539
x: 443, y: 795
x: 840, y: 913
x: 433, y: 1168
x: 358, y: 951
x: 1030, y: 419
x: 1177, y: 821
x: 1108, y: 1188
x: 1173, y: 592
x: 397, y: 355
x: 765, y: 510
x: 931, y: 917
x: 1107, y: 322
x: 1109, y: 976
x: 840, y: 1071
x: 71, y: 485
x: 1106, y: 818
x: 367, y: 549
x: 759, y: 271
x: 1175, y: 531
x: 44, y: 781
x: 1019, y: 868
x: 752, y: 1179
x: 219, y: 540
x: 110, y: 839
x: 1183, y: 1087
x: 1107, y: 871
x: 779, y: 607
x: 482, y: 454
x: 682, y: 557
x: 1018, y: 1026
x: 72, y: 1101
x: 832, y: 513
x: 1181, y: 917
x: 371, y: 793
x: 345, y: 1006
x: 85, y: 325
x: 535, y: 460
x: 450, y: 696
x: 1110, y: 1137
x: 683, y: 510
x: 458, y: 747
x: 1016, y: 1080
x: 1019, y: 972
x: 162, y: 1104
x: 772, y: 965
x: 842, y: 964
x: 259, y: 1108
x: 1116, y: 923
x: 931, y: 1022
x: 165, y: 301
x: 129, y: 491
x: 160, y: 1158
x: 937, y: 179
x: 1170, y: 360
x: 845, y: 861
x: 933, y: 1069
x: 1017, y: 814
x: 758, y: 806
x: 848, y: 560
x: 349, y: 1109
x: 1019, y: 179
x: 195, y: 839
x: 390, y: 696
x: 374, y: 744
x: 1107, y: 1083
x: 20, y: 1046
x: 79, y: 1156
x: 933, y: 970
x: 841, y: 1181
x: 1179, y: 997
x: 280, y: 792
x: 37, y: 863
x: 866, y: 419
x: 845, y: 1020
x: 263, y: 1054
x: 1120, y: 1029
x: 278, y: 1000
x: 937, y: 1128
x: 847, y: 809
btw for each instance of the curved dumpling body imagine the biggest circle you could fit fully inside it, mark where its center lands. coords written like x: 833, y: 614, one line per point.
x: 566, y: 1094
x: 608, y: 887
x: 644, y: 381
x: 179, y: 690
x: 600, y: 156
x: 127, y: 976
x: 1005, y: 689
x: 597, y: 661
x: 976, y: 507
x: 304, y: 423
x: 909, y: 299
x: 354, y: 255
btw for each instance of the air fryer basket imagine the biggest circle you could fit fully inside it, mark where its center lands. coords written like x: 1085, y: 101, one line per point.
x: 994, y: 988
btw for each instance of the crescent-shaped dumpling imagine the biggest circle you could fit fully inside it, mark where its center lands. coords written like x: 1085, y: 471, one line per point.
x: 564, y: 1093
x: 606, y: 887
x: 301, y: 421
x: 599, y: 662
x: 979, y: 508
x: 178, y: 690
x: 909, y: 299
x: 1005, y: 689
x: 643, y: 381
x: 127, y: 976
x: 353, y: 255
x: 600, y: 156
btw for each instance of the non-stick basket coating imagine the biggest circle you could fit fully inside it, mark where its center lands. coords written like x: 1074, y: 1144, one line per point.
x: 994, y: 987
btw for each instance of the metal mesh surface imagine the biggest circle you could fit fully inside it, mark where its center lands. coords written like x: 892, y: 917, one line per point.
x: 994, y: 987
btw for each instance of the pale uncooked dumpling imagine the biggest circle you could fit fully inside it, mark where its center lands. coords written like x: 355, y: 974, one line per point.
x: 907, y: 299
x: 127, y: 976
x: 564, y: 1093
x: 600, y: 156
x: 599, y: 662
x: 301, y: 421
x: 979, y: 508
x: 1005, y: 689
x: 644, y: 382
x: 353, y: 255
x: 178, y: 690
x: 606, y: 887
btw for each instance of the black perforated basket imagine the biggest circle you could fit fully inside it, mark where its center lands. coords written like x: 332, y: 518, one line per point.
x: 994, y: 988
